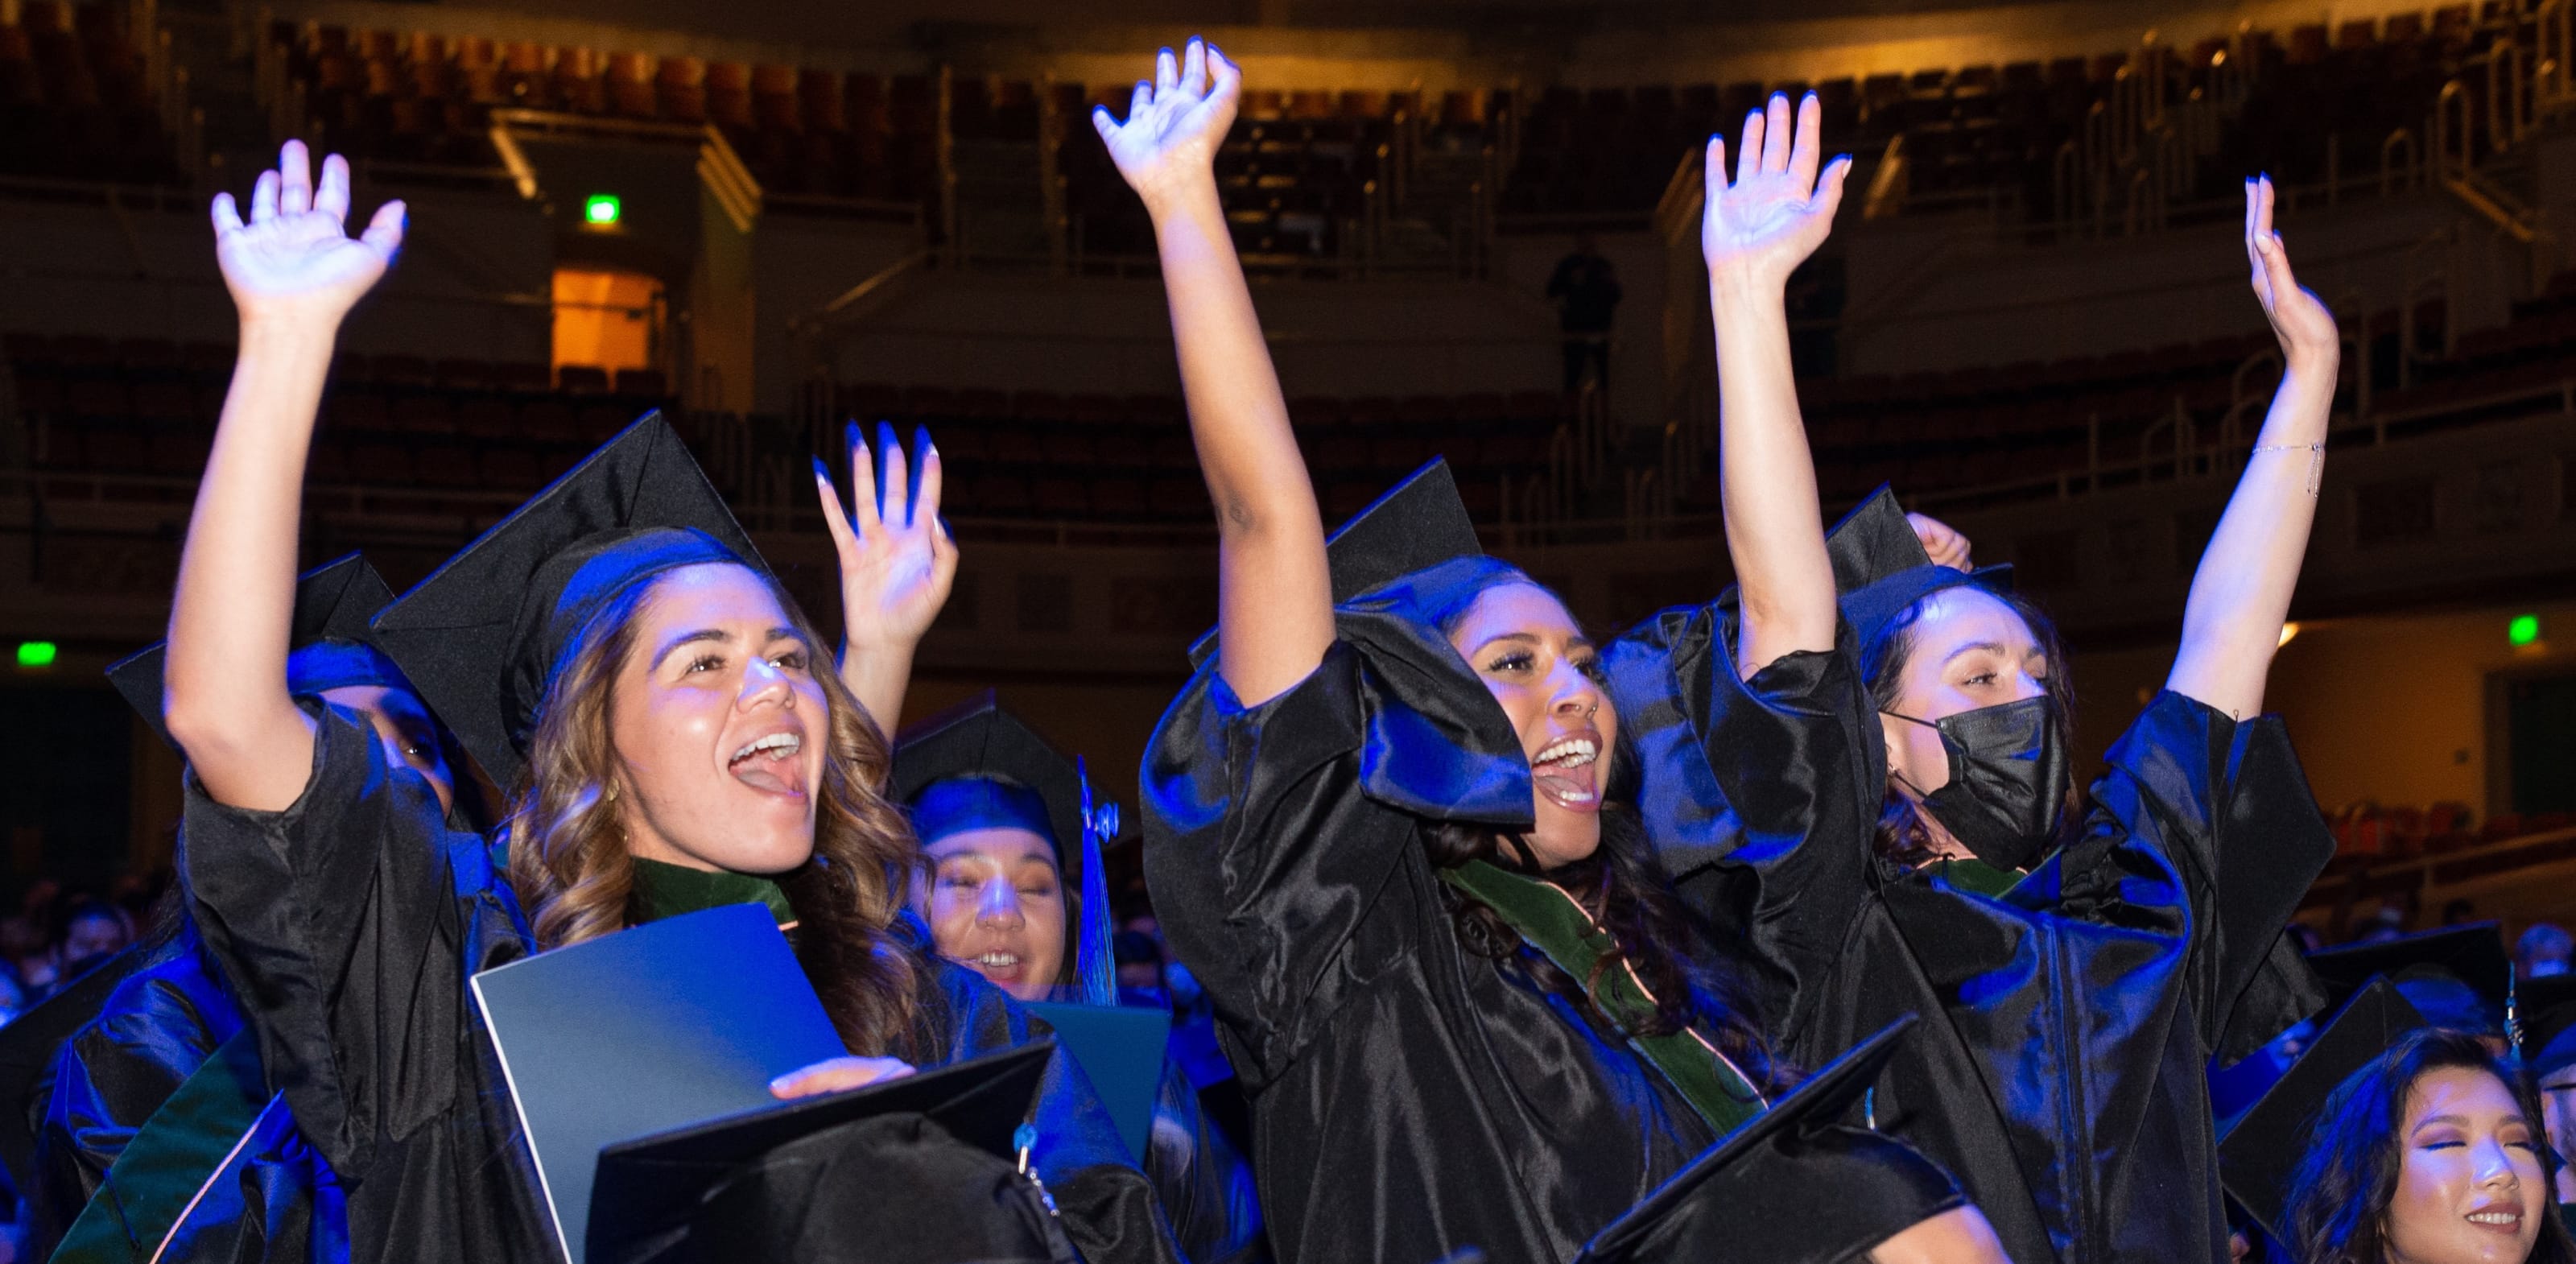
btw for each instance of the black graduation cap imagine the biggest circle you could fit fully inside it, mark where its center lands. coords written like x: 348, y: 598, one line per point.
x: 1418, y: 524
x: 1773, y: 1159
x: 977, y: 738
x: 2472, y: 956
x: 1880, y: 567
x: 712, y: 1191
x: 480, y: 637
x: 29, y: 1042
x: 2547, y: 1009
x: 2261, y: 1154
x: 332, y: 605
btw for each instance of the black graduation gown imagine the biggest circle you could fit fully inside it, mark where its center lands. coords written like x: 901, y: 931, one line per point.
x: 276, y: 1201
x: 1201, y: 1179
x: 2060, y: 1069
x: 1409, y: 1098
x: 350, y: 923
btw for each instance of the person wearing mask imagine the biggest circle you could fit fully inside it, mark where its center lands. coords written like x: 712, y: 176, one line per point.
x: 1884, y: 742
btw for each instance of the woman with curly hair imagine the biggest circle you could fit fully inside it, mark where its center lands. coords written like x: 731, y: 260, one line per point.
x: 617, y: 654
x: 1454, y: 986
x: 2432, y: 1153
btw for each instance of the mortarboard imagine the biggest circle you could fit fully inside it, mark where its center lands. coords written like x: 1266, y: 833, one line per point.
x: 2260, y: 1155
x: 1784, y: 1153
x: 686, y: 1194
x: 2547, y: 1009
x: 482, y: 636
x: 2426, y: 966
x: 979, y: 741
x: 1880, y: 568
x: 327, y: 639
x: 1418, y: 524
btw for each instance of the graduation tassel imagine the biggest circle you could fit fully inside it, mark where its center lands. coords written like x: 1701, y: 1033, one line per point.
x: 1095, y: 966
x: 2513, y: 1014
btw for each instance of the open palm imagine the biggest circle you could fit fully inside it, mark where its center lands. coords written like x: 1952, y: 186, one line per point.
x: 897, y: 560
x: 1176, y: 122
x: 2299, y: 318
x: 295, y: 256
x: 1777, y: 210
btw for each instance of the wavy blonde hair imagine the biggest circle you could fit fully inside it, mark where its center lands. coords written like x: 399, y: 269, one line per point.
x: 569, y: 863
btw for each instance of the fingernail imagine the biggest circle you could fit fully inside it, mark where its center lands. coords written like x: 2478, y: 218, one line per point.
x: 820, y: 471
x: 886, y: 437
x: 850, y: 436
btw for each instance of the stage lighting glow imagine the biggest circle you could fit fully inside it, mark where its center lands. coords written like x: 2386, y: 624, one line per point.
x: 35, y: 653
x: 601, y: 209
x: 2524, y: 629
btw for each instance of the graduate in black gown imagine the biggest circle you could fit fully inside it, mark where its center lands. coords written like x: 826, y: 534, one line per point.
x: 169, y: 1035
x: 1451, y: 983
x: 991, y: 802
x: 2397, y: 1140
x: 617, y: 654
x: 1881, y: 802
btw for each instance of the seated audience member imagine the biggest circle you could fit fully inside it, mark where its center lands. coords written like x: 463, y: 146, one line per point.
x: 2543, y: 950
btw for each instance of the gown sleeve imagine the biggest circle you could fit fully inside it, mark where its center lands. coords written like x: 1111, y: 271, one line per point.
x: 338, y: 923
x: 1280, y: 836
x: 1738, y: 775
x: 1206, y: 1189
x: 113, y: 1073
x: 2228, y: 808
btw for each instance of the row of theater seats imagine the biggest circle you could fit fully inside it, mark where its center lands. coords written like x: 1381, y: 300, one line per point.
x: 1058, y: 456
x: 145, y: 406
x: 75, y: 101
x: 2369, y: 831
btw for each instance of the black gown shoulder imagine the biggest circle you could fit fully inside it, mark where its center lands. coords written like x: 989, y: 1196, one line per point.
x: 2069, y: 1022
x: 1409, y: 1098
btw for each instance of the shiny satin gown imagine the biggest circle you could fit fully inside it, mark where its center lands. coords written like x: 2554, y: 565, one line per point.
x: 276, y: 1201
x: 353, y: 920
x: 2060, y: 1070
x: 1410, y: 1098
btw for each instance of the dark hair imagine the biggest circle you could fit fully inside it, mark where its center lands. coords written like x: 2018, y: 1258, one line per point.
x: 1620, y: 885
x: 1903, y: 835
x: 2339, y: 1199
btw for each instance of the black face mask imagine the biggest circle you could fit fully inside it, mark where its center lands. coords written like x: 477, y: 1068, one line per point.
x: 2008, y: 779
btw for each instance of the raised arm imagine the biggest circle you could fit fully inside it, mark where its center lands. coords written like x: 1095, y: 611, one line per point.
x: 2241, y: 594
x: 1754, y: 233
x: 897, y: 565
x: 1274, y: 596
x: 294, y: 272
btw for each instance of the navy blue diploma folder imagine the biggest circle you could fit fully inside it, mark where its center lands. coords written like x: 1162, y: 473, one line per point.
x: 1120, y: 1050
x: 670, y: 1024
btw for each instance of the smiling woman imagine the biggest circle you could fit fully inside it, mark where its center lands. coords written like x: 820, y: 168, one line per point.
x: 2430, y: 1154
x: 617, y: 653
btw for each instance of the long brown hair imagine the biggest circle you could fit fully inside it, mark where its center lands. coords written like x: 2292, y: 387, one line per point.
x: 570, y: 864
x: 1904, y: 836
x: 1620, y: 885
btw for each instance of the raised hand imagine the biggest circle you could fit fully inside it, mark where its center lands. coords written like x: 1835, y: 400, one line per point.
x: 897, y: 560
x: 2299, y: 318
x: 1941, y: 540
x: 295, y: 258
x: 1777, y: 211
x: 1175, y: 123
x: 838, y: 1075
